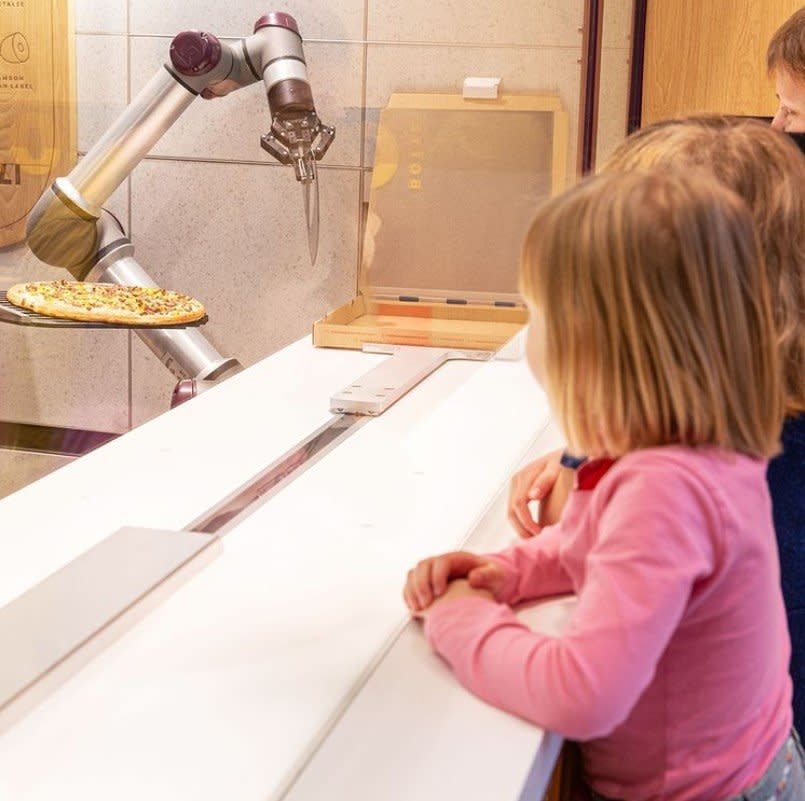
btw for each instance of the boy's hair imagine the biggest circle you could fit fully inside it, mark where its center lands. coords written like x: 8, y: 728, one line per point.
x: 767, y: 170
x: 786, y: 49
x: 658, y: 326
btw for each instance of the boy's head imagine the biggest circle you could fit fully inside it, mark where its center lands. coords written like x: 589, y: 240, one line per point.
x: 640, y: 335
x: 785, y: 59
x: 768, y: 172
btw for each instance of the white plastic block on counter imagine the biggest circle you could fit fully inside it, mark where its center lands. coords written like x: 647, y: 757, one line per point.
x: 53, y: 629
x: 481, y: 88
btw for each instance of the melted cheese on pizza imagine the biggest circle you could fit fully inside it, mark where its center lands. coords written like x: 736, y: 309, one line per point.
x: 131, y: 301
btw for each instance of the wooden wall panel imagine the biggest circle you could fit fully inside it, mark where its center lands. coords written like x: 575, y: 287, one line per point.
x: 710, y: 56
x: 37, y: 105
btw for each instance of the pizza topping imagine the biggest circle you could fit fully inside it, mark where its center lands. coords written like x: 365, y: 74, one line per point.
x: 108, y: 302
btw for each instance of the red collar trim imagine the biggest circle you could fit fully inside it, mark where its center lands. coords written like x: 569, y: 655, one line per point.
x: 590, y: 473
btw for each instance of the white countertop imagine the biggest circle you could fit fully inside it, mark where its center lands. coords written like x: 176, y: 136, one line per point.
x: 410, y: 730
x: 168, y: 471
x: 225, y: 689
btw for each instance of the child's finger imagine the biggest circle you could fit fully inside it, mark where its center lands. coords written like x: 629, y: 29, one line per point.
x: 489, y: 577
x: 517, y: 525
x: 413, y: 607
x: 521, y: 519
x: 544, y: 482
x: 408, y: 597
x: 422, y: 583
x: 440, y: 574
x: 450, y: 566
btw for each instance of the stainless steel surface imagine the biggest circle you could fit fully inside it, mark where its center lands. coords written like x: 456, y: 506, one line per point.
x: 51, y: 439
x: 298, y: 140
x: 186, y: 353
x: 9, y: 313
x: 70, y: 196
x: 272, y: 42
x: 226, y: 514
x: 384, y: 385
x: 158, y: 105
x: 58, y: 625
x: 284, y: 69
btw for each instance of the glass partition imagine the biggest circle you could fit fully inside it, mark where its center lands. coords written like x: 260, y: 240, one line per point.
x: 213, y: 215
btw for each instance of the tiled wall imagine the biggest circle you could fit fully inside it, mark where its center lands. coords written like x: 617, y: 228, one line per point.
x: 614, y: 94
x: 210, y: 215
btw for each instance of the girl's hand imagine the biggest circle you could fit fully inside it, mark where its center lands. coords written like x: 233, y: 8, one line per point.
x: 461, y: 588
x: 430, y: 578
x: 533, y: 483
x: 552, y: 506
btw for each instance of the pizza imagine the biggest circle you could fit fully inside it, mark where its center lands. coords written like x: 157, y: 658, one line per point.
x: 106, y: 303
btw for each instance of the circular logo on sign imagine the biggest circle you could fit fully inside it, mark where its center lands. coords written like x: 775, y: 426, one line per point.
x: 14, y: 49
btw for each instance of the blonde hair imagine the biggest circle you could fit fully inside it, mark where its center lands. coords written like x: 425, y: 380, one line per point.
x: 658, y: 326
x: 767, y: 170
x: 786, y: 49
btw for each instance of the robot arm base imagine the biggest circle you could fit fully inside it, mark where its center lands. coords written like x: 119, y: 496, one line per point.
x: 189, y: 388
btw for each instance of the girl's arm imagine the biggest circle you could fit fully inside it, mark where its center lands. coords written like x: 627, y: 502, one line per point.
x: 652, y: 545
x: 532, y: 568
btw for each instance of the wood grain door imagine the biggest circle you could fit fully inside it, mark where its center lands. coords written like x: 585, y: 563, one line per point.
x: 707, y: 56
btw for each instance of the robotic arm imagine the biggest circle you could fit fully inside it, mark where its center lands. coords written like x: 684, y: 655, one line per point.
x: 69, y: 228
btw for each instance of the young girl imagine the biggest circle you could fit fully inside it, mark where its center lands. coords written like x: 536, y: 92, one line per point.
x: 768, y: 172
x: 652, y: 333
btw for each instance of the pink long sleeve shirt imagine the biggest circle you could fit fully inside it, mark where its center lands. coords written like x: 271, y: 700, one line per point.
x: 673, y: 670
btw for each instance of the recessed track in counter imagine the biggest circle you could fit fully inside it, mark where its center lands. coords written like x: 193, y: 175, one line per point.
x: 220, y: 518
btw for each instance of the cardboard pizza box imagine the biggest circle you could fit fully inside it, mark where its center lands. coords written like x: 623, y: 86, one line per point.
x: 454, y: 188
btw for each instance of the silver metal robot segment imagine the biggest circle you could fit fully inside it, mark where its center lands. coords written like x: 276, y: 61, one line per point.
x: 69, y: 228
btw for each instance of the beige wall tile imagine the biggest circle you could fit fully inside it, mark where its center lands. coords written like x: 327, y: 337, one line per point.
x: 93, y: 16
x: 317, y: 20
x: 230, y: 128
x: 19, y: 468
x: 412, y: 68
x: 537, y: 22
x: 234, y: 236
x: 64, y: 378
x: 618, y: 23
x: 101, y: 77
x: 613, y: 107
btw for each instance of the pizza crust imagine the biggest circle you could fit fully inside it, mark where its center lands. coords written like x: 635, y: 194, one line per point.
x: 106, y: 303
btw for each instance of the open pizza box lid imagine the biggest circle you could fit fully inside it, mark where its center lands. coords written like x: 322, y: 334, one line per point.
x: 454, y: 188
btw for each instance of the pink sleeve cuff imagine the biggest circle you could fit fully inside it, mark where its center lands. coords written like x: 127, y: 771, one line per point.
x: 447, y: 613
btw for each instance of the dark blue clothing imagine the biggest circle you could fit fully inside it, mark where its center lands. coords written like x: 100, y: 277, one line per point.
x: 787, y: 485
